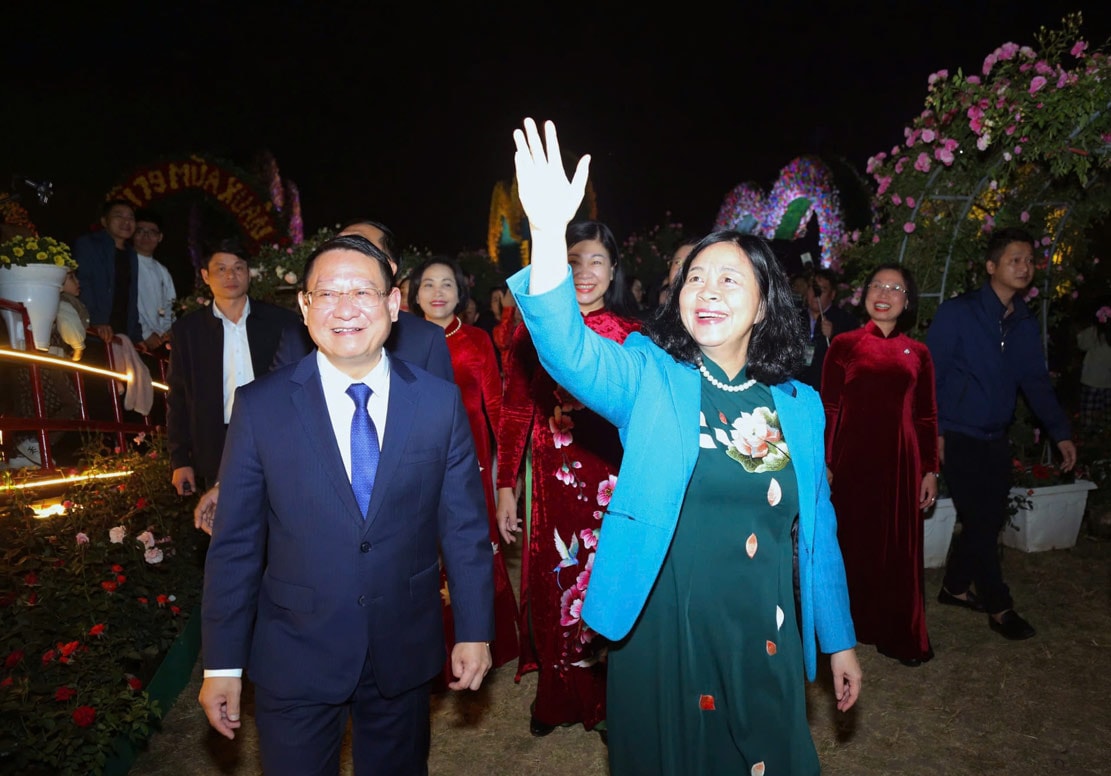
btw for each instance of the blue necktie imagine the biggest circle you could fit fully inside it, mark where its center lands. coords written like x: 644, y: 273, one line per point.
x: 364, y: 447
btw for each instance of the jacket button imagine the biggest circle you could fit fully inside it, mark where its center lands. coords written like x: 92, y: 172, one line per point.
x: 362, y: 600
x: 365, y: 546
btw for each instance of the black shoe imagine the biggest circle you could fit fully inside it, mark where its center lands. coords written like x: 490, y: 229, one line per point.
x: 538, y: 728
x: 1012, y: 627
x: 971, y: 602
x: 910, y: 662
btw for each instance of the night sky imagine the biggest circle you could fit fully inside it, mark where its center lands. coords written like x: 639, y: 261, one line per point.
x: 404, y: 112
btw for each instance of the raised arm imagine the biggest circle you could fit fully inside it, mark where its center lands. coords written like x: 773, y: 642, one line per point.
x: 549, y: 199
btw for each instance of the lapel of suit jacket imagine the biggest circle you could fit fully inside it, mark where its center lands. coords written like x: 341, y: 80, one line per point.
x: 262, y: 336
x: 400, y: 416
x: 799, y: 430
x: 308, y: 402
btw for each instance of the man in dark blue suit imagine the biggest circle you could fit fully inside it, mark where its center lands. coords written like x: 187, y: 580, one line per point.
x: 108, y: 271
x: 326, y: 589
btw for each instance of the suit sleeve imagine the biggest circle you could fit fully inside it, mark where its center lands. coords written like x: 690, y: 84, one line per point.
x: 293, y: 345
x: 179, y: 437
x: 439, y: 358
x: 85, y: 254
x: 236, y: 555
x: 465, y: 534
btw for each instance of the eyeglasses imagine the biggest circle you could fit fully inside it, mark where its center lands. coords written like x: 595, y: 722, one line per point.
x: 329, y: 299
x: 147, y: 231
x: 877, y: 287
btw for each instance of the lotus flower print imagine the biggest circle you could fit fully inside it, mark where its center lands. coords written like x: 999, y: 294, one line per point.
x: 756, y: 441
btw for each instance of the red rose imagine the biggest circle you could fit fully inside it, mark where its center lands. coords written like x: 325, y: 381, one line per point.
x: 134, y: 683
x: 116, y: 568
x: 121, y: 579
x: 142, y: 600
x: 176, y: 610
x: 1041, y: 472
x: 7, y: 682
x: 109, y: 585
x: 13, y: 659
x: 162, y: 600
x: 97, y: 630
x: 83, y: 716
x: 48, y: 656
x: 120, y: 488
x: 141, y: 503
x: 31, y: 578
x: 63, y: 694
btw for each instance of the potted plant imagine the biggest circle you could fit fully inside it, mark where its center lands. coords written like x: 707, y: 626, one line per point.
x: 32, y: 270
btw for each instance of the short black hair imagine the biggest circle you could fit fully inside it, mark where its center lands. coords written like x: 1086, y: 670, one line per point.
x: 107, y: 207
x: 775, y: 351
x: 232, y: 245
x: 349, y: 242
x: 1001, y: 238
x: 150, y: 216
x: 389, y: 240
x: 417, y: 274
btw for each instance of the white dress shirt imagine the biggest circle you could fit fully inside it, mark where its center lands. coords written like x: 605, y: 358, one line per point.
x: 156, y: 296
x: 238, y: 369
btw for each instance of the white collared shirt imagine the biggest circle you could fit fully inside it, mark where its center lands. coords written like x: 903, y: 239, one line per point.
x: 156, y: 296
x: 238, y: 369
x: 341, y: 407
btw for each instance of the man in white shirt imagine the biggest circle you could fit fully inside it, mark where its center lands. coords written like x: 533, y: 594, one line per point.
x: 156, y: 286
x: 215, y: 350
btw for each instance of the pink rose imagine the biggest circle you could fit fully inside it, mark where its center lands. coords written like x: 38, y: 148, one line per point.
x: 1024, y: 216
x: 1078, y: 49
x: 910, y: 202
x: 908, y: 227
x: 922, y: 163
x: 928, y: 135
x: 1037, y: 83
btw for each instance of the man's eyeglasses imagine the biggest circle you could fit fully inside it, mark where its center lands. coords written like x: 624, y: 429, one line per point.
x: 147, y: 231
x: 328, y: 299
x: 877, y: 287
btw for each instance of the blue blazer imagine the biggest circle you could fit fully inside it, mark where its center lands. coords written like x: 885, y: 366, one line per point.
x: 654, y: 402
x: 299, y: 589
x: 95, y: 254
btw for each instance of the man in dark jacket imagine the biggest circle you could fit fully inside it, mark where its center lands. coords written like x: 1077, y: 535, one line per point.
x: 108, y: 271
x: 986, y: 346
x: 822, y: 321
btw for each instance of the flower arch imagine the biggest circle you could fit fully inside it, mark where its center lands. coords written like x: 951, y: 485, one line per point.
x: 1024, y: 142
x: 805, y: 187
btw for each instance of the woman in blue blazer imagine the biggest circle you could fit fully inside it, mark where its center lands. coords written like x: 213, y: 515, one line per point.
x: 693, y: 580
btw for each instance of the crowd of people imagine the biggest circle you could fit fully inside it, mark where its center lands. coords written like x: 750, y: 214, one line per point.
x: 712, y: 482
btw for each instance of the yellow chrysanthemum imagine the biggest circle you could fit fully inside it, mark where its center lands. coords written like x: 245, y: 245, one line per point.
x: 17, y: 252
x: 40, y: 256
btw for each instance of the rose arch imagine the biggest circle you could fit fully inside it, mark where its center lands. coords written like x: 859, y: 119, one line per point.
x: 1024, y: 142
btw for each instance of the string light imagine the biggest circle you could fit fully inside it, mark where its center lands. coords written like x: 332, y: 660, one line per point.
x: 75, y: 366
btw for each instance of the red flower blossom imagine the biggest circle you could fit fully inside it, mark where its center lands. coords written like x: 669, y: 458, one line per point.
x: 120, y: 488
x: 83, y: 716
x: 109, y: 585
x: 1041, y: 471
x: 97, y: 630
x: 13, y: 659
x: 134, y: 683
x: 176, y: 610
x: 63, y: 694
x: 7, y: 682
x: 141, y: 503
x: 116, y: 568
x: 142, y: 600
x: 121, y: 579
x: 30, y: 579
x: 65, y: 651
x: 162, y: 599
x: 48, y: 656
x: 32, y: 599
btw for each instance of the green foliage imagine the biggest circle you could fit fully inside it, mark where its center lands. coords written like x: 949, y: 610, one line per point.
x: 90, y: 600
x: 646, y: 254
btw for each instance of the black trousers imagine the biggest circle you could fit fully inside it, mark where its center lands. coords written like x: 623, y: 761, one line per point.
x: 978, y: 473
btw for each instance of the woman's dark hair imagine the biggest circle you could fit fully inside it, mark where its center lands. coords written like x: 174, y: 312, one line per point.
x: 617, y: 298
x: 418, y: 273
x: 350, y: 242
x: 775, y: 351
x: 909, y: 315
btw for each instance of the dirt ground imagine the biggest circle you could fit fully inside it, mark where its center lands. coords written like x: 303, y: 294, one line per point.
x: 982, y: 706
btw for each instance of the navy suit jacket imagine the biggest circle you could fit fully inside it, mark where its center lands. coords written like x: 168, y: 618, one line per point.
x: 95, y: 254
x: 843, y: 321
x: 412, y: 339
x: 299, y: 589
x: 195, y: 427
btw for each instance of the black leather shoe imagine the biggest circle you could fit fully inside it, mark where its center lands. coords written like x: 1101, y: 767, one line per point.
x: 1012, y: 627
x: 910, y: 662
x: 538, y: 728
x: 971, y: 602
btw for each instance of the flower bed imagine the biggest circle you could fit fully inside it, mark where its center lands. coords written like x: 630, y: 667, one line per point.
x: 91, y: 600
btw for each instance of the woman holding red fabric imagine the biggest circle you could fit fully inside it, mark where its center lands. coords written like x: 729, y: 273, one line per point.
x: 438, y: 292
x: 881, y: 449
x: 575, y: 457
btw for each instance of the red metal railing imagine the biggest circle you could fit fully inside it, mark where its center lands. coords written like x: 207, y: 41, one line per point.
x: 43, y: 425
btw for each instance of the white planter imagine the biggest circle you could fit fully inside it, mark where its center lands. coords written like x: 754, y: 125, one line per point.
x: 37, y: 287
x: 938, y: 532
x: 1053, y: 520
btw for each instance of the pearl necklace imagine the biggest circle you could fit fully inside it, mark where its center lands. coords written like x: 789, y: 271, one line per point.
x: 453, y: 332
x: 723, y: 386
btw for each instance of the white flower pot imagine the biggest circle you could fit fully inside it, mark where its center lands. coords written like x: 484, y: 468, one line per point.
x: 938, y: 532
x: 37, y: 287
x: 1053, y: 520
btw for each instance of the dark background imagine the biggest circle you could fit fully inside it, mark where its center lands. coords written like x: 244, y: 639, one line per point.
x: 404, y: 112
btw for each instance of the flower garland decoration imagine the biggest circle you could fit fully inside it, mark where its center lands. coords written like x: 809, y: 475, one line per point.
x: 1018, y: 143
x: 14, y: 214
